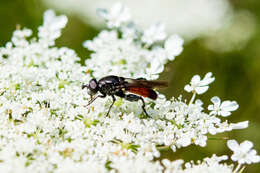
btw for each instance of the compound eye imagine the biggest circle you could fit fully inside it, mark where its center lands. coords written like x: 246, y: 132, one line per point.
x: 93, y: 84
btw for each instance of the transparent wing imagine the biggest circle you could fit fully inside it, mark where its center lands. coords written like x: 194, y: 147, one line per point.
x: 145, y: 83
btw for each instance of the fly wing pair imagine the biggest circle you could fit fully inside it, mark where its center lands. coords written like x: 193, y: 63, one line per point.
x: 144, y: 87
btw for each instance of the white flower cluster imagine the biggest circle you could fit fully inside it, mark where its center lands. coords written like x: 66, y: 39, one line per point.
x: 45, y: 126
x: 190, y: 19
x: 211, y: 165
x: 127, y: 51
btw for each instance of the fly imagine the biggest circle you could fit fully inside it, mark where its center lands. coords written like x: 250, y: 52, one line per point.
x: 120, y: 86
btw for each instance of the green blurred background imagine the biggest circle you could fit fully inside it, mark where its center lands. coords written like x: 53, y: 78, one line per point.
x: 237, y: 72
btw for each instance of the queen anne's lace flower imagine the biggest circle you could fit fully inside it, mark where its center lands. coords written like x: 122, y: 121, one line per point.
x: 240, y: 125
x: 243, y: 153
x: 211, y: 165
x: 116, y: 16
x: 154, y: 33
x: 51, y: 29
x: 134, y: 54
x: 46, y: 127
x: 173, y: 46
x: 199, y: 86
x: 224, y: 109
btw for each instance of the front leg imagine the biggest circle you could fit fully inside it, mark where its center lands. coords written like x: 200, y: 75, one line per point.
x: 93, y: 99
x: 132, y: 98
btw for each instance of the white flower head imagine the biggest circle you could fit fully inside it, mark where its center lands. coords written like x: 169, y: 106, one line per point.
x: 155, y: 69
x: 129, y: 31
x: 173, y: 46
x: 199, y: 86
x: 51, y: 29
x: 243, y: 153
x: 117, y: 15
x: 46, y: 127
x: 155, y: 33
x: 121, y: 51
x: 224, y: 109
x: 175, y: 166
x: 19, y: 37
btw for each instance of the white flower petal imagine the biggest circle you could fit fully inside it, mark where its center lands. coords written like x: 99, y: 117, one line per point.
x: 210, y: 107
x: 188, y: 88
x: 224, y: 113
x: 216, y: 100
x: 117, y: 15
x: 154, y: 33
x: 208, y: 75
x: 240, y: 125
x: 233, y: 145
x: 201, y: 90
x: 195, y: 79
x: 173, y: 46
x: 198, y: 102
x: 255, y: 158
x: 207, y: 79
x: 229, y: 106
x: 213, y: 113
x: 246, y: 146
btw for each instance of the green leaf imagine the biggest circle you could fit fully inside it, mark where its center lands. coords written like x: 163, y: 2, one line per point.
x: 17, y: 122
x: 88, y: 122
x: 107, y: 165
x: 17, y: 86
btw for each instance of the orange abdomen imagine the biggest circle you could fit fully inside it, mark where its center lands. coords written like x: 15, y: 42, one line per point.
x: 145, y: 92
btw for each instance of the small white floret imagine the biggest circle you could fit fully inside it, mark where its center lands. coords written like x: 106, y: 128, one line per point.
x: 116, y: 16
x: 224, y: 109
x: 199, y: 86
x: 243, y: 153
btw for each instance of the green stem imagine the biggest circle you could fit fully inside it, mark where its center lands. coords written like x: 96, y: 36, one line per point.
x: 237, y: 168
x: 218, y: 138
x: 242, y: 169
x: 192, y: 98
x: 163, y: 148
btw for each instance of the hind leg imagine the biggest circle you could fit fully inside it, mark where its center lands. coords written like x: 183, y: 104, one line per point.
x: 132, y: 98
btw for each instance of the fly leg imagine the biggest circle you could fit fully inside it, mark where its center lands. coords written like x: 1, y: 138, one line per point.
x: 93, y: 99
x: 114, y: 99
x: 132, y: 98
